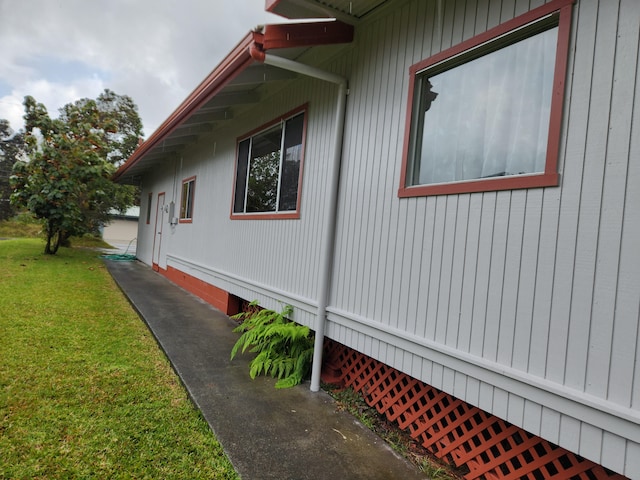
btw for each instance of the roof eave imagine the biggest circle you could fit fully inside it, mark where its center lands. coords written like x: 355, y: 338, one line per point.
x: 289, y: 35
x: 233, y: 64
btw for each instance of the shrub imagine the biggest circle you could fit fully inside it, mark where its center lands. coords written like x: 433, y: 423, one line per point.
x: 285, y: 349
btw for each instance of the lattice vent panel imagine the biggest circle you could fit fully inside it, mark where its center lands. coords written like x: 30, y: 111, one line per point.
x: 453, y: 430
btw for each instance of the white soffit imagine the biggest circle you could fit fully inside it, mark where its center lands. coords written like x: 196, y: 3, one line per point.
x: 348, y: 11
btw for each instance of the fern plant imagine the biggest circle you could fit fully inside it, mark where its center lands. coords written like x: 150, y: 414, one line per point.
x: 285, y: 349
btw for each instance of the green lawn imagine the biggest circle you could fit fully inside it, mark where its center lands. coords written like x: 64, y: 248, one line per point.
x: 85, y: 392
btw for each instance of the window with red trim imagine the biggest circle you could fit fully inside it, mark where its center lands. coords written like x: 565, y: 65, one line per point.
x: 486, y: 115
x: 186, y: 199
x: 268, y: 169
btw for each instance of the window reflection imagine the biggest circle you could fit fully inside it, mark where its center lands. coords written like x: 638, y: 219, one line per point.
x: 268, y: 169
x: 262, y: 188
x: 291, y: 164
x: 487, y: 117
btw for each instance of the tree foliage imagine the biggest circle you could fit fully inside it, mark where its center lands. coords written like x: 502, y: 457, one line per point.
x: 12, y: 147
x: 71, y: 159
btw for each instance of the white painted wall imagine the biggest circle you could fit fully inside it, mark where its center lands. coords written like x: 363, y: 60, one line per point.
x: 524, y: 303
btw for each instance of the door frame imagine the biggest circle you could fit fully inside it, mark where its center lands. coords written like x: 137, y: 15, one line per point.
x: 157, y: 232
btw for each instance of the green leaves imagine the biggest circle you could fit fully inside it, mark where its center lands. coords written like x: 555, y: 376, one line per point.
x: 12, y: 147
x: 67, y: 180
x: 285, y: 349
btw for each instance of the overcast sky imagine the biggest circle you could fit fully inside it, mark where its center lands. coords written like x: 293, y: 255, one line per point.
x: 155, y: 51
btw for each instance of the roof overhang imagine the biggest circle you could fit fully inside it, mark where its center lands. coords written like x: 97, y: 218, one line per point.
x: 233, y: 83
x: 347, y: 11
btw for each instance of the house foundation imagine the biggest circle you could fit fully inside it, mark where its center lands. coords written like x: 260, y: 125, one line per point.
x: 455, y: 431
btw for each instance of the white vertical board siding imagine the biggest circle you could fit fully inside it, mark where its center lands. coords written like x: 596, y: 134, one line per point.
x: 275, y: 261
x: 538, y: 285
x: 154, y: 184
x: 525, y: 303
x: 581, y: 349
x: 619, y: 262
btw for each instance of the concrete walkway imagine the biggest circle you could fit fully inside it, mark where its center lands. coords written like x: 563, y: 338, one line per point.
x: 267, y: 433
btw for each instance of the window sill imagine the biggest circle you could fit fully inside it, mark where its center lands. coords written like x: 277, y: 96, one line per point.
x: 482, y: 185
x: 185, y: 220
x: 265, y: 216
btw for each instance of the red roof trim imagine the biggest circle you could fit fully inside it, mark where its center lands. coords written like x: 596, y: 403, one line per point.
x: 275, y: 36
x: 304, y: 34
x: 231, y: 66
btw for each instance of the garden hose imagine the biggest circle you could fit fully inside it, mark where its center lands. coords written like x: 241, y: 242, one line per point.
x: 121, y: 257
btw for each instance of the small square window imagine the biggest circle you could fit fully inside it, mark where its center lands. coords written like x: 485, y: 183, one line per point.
x: 186, y: 200
x: 486, y: 115
x: 268, y: 170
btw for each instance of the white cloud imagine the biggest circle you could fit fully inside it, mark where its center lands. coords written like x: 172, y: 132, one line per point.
x: 155, y: 51
x: 11, y: 109
x: 52, y: 95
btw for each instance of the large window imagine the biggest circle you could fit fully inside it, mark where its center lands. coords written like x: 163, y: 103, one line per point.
x: 186, y: 200
x: 268, y: 170
x: 486, y: 115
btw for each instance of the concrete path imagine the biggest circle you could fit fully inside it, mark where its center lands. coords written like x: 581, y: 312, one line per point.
x: 267, y: 433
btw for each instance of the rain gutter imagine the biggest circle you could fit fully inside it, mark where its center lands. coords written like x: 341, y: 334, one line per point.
x: 329, y: 237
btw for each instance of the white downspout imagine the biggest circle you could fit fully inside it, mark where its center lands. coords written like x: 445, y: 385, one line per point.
x: 328, y: 240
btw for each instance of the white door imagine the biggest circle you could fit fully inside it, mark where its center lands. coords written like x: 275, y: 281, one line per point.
x: 157, y: 239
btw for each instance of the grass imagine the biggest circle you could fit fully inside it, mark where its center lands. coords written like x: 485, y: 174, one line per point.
x: 85, y: 392
x: 20, y: 226
x: 351, y: 401
x: 25, y: 226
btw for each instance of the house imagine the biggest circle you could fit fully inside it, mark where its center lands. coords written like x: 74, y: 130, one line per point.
x: 447, y: 189
x: 122, y: 229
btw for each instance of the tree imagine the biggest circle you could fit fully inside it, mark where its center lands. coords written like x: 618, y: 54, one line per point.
x: 11, y: 148
x: 67, y: 180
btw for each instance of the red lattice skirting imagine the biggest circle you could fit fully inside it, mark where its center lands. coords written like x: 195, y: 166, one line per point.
x: 453, y: 430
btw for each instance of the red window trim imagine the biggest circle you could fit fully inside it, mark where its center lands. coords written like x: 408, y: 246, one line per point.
x: 550, y: 176
x: 266, y: 216
x: 289, y: 215
x: 193, y: 197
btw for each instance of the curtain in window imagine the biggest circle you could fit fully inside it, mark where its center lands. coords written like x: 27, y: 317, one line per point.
x: 491, y: 115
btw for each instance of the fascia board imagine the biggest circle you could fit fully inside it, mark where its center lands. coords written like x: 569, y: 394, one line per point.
x: 275, y: 36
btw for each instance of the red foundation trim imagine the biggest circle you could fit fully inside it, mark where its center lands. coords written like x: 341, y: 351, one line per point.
x: 220, y: 299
